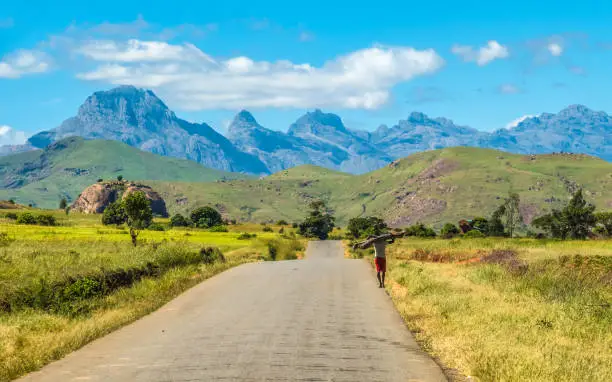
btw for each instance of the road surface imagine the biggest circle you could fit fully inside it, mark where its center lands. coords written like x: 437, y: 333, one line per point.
x: 319, y: 319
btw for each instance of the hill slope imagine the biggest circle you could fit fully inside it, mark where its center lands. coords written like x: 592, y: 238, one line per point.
x: 431, y: 187
x: 65, y: 168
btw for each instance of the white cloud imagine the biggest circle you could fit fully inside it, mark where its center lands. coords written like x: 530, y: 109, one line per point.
x: 192, y: 80
x: 23, y: 62
x: 10, y: 136
x: 555, y: 49
x: 139, y: 51
x: 509, y: 89
x: 485, y: 54
x: 517, y: 121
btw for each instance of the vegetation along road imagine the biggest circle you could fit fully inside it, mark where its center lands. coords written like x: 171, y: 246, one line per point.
x: 319, y: 319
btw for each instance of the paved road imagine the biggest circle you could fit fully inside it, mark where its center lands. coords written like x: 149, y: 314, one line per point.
x: 319, y: 319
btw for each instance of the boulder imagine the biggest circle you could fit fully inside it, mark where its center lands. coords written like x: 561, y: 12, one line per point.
x: 95, y: 198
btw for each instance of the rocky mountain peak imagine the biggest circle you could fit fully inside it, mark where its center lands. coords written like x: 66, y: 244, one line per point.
x: 245, y: 117
x: 417, y: 117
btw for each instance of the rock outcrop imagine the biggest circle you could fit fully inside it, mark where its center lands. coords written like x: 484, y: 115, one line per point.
x: 95, y: 198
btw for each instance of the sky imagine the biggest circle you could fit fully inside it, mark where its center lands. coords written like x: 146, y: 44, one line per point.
x: 480, y: 63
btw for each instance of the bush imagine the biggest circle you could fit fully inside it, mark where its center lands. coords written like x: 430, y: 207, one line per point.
x: 319, y: 222
x: 211, y: 255
x: 11, y: 216
x: 266, y: 229
x: 156, y: 227
x: 281, y: 230
x: 473, y: 234
x: 46, y: 219
x: 246, y: 236
x: 370, y: 225
x: 179, y: 220
x: 294, y: 225
x: 114, y: 213
x: 218, y: 228
x: 282, y: 222
x: 449, y: 231
x: 26, y: 218
x: 206, y: 217
x: 481, y: 224
x: 63, y: 204
x: 420, y: 230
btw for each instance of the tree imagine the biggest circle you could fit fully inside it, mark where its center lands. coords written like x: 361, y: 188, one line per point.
x: 580, y: 217
x: 319, y: 222
x: 120, y: 178
x: 481, y: 224
x: 365, y: 226
x: 139, y: 214
x: 465, y: 226
x: 179, y: 220
x: 604, y: 221
x: 114, y: 214
x: 420, y: 230
x: 512, y: 213
x: 63, y: 204
x: 574, y: 221
x: 449, y: 230
x: 496, y: 226
x: 206, y: 217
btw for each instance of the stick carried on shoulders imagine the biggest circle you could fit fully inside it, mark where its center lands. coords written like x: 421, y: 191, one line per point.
x: 386, y: 236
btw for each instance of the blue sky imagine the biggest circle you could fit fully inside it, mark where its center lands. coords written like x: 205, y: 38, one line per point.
x: 482, y: 64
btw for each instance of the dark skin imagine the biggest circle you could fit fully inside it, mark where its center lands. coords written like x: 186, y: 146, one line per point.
x: 368, y: 243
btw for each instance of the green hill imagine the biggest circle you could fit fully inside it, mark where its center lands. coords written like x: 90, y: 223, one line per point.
x: 65, y: 168
x: 430, y: 187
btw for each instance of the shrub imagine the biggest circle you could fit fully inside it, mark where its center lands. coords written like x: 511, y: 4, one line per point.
x: 282, y: 222
x: 46, y: 219
x: 370, y: 225
x: 179, y: 220
x: 272, y: 250
x: 156, y: 227
x: 63, y: 204
x: 246, y: 236
x: 473, y: 234
x: 120, y: 178
x: 211, y: 255
x: 420, y: 230
x: 319, y: 222
x: 11, y: 216
x: 449, y: 231
x: 114, y: 213
x: 26, y: 218
x: 218, y: 228
x: 206, y: 217
x: 281, y: 230
x: 294, y: 225
x: 481, y: 224
x: 100, y: 180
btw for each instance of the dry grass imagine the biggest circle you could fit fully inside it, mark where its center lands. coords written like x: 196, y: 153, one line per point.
x: 549, y: 321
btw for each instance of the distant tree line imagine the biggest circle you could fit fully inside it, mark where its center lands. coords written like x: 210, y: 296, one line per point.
x: 577, y: 220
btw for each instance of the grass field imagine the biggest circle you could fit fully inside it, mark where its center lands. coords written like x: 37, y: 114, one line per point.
x: 63, y: 286
x: 508, y: 310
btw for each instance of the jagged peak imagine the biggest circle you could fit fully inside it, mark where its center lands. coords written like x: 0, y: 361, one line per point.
x: 245, y: 116
x: 320, y: 117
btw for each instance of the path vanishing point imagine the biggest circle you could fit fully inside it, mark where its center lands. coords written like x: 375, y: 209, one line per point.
x: 318, y: 319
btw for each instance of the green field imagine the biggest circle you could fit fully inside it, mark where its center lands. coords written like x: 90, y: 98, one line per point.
x: 431, y: 187
x: 508, y: 310
x: 64, y: 169
x: 63, y: 286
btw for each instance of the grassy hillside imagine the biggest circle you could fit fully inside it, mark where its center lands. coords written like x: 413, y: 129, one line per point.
x: 64, y: 169
x: 431, y: 187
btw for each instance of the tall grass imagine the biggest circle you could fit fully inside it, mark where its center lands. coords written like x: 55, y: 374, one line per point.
x: 549, y: 320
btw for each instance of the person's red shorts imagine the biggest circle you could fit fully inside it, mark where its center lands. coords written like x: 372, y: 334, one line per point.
x: 381, y: 264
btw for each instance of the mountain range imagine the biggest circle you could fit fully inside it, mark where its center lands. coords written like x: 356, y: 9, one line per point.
x: 140, y: 119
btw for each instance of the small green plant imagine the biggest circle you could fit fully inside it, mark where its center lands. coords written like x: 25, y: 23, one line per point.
x: 156, y: 227
x: 218, y: 228
x: 449, y: 230
x: 266, y: 229
x: 473, y: 234
x: 11, y: 216
x: 211, y: 255
x: 26, y: 218
x: 206, y: 217
x: 246, y: 236
x: 46, y: 219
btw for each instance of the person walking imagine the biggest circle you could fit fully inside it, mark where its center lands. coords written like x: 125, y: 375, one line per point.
x: 380, y: 259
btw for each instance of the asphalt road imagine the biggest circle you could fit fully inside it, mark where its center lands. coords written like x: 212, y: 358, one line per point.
x: 319, y: 319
